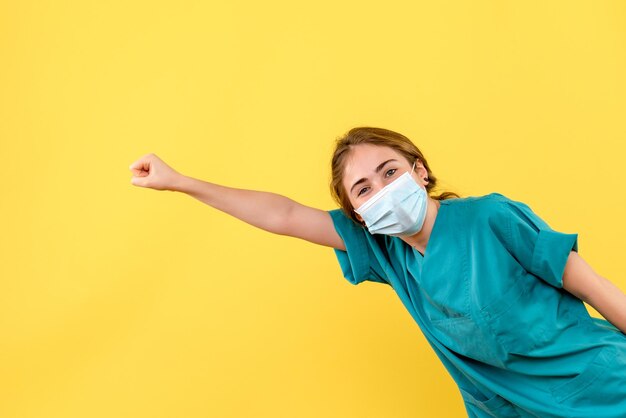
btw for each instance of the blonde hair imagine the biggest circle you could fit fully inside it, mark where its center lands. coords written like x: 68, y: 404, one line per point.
x: 381, y: 137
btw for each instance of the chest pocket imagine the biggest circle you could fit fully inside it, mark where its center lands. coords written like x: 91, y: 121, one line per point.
x: 462, y: 335
x: 446, y: 298
x: 524, y: 317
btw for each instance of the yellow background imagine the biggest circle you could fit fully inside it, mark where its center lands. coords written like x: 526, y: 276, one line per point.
x: 118, y: 301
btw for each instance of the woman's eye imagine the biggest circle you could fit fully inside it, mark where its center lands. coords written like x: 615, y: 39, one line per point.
x: 361, y: 191
x: 389, y: 171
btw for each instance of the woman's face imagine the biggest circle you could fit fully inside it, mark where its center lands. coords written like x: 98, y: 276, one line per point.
x: 369, y: 168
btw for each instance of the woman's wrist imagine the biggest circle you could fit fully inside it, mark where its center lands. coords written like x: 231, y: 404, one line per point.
x: 180, y: 183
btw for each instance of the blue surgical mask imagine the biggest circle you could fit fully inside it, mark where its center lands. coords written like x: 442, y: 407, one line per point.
x: 398, y: 209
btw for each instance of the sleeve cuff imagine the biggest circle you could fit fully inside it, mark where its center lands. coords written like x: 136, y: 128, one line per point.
x: 356, y: 267
x: 550, y: 255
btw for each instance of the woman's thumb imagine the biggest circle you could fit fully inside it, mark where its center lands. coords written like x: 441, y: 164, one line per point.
x: 139, y: 177
x: 136, y: 181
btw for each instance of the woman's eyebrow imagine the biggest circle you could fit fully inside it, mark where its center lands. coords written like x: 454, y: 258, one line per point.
x: 380, y: 167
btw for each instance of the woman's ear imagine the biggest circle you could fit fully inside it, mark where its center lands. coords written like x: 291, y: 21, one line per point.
x: 421, y: 172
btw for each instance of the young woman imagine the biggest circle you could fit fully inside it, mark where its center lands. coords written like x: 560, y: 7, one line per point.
x: 497, y: 292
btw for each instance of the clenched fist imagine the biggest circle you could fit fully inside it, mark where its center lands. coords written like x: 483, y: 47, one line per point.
x: 152, y: 172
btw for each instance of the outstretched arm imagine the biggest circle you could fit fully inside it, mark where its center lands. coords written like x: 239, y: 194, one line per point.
x: 269, y: 211
x: 266, y: 210
x: 583, y: 282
